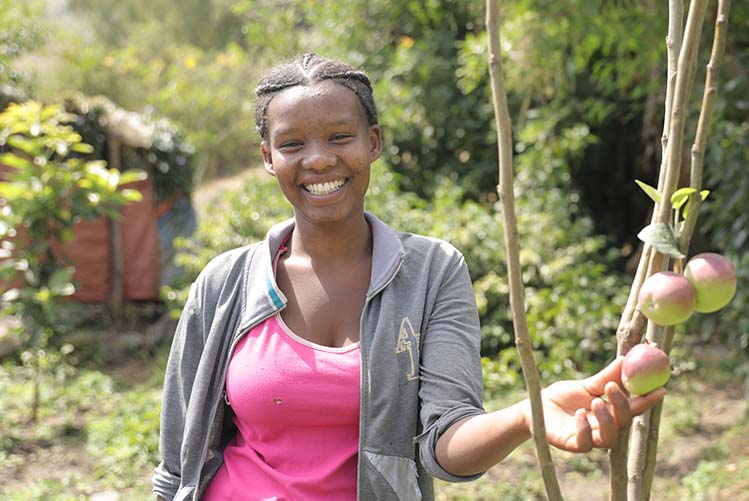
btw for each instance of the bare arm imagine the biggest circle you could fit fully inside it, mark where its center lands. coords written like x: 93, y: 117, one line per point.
x: 475, y: 444
x: 577, y: 420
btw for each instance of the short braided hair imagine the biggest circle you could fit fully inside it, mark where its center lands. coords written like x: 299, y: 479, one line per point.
x: 310, y: 69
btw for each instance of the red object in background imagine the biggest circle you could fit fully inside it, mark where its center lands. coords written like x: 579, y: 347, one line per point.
x: 91, y: 251
x: 140, y: 241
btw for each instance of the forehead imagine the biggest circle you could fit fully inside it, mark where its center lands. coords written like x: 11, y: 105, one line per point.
x: 313, y: 105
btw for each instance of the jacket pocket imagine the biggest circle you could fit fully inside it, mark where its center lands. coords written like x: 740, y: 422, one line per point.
x: 400, y: 474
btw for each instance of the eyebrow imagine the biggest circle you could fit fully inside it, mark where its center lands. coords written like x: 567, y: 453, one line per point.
x: 344, y: 122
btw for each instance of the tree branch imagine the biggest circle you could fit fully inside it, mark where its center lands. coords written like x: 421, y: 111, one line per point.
x: 517, y: 302
x: 698, y: 154
x: 632, y: 322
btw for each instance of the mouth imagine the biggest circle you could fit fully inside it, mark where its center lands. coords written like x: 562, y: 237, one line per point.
x: 321, y: 189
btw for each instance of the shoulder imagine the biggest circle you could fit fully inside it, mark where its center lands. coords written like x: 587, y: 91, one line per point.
x: 229, y: 265
x: 431, y: 248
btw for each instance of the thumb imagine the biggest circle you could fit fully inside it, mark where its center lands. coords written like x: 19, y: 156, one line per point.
x: 596, y: 383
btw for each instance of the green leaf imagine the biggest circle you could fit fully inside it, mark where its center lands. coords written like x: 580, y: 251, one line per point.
x: 680, y: 197
x: 649, y: 191
x: 661, y: 237
x: 21, y: 143
x: 13, y: 191
x: 133, y: 175
x: 13, y: 160
x: 703, y: 194
x: 60, y: 279
x: 132, y: 195
x: 82, y: 148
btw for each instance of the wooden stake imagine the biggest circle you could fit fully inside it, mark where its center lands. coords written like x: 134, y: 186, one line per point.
x: 517, y: 301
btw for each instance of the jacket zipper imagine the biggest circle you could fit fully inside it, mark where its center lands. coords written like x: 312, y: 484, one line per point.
x: 361, y: 372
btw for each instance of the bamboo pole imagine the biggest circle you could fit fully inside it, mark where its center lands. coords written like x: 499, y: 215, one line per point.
x: 517, y: 302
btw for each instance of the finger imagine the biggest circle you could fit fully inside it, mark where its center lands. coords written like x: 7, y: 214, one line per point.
x: 619, y: 405
x: 596, y: 383
x: 640, y: 404
x: 606, y: 425
x: 583, y: 432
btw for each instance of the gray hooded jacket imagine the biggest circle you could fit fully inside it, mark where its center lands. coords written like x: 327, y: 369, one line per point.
x: 421, y: 367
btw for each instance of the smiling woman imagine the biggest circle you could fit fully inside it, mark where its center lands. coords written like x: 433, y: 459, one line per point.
x: 338, y: 359
x: 319, y: 145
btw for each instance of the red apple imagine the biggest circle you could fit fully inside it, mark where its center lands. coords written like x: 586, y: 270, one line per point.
x: 666, y: 298
x: 713, y: 278
x: 645, y: 368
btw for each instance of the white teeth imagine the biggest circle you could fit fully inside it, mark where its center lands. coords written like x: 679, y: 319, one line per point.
x: 324, y: 188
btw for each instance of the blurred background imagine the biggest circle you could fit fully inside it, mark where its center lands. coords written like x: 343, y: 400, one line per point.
x: 166, y: 87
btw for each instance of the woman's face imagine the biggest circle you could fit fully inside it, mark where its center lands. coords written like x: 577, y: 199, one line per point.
x: 320, y: 147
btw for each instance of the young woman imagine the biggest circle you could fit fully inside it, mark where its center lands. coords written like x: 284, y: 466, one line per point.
x: 338, y: 359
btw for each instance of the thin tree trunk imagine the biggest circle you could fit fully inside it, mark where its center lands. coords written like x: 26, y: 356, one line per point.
x: 517, y: 302
x: 632, y: 321
x: 117, y: 294
x: 684, y: 238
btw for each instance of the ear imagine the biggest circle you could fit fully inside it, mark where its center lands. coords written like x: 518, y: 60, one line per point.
x: 267, y: 159
x: 375, y: 142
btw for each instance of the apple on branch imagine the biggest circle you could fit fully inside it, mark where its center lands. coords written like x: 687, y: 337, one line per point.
x: 713, y: 278
x: 645, y: 368
x: 666, y: 298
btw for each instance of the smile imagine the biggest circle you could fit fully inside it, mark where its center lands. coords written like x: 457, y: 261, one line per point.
x: 324, y: 188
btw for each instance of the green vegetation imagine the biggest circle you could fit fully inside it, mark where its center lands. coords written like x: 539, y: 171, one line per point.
x: 99, y: 433
x: 585, y: 83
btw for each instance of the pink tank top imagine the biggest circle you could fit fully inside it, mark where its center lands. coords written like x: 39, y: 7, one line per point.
x: 296, y: 408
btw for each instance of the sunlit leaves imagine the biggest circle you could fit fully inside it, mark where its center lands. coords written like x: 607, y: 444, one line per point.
x: 47, y: 188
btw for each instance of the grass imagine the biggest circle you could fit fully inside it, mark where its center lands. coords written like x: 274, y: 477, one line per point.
x: 98, y: 433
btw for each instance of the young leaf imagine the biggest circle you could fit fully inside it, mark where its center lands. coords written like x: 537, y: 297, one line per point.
x: 661, y: 237
x: 132, y: 175
x: 82, y: 148
x: 703, y: 194
x: 680, y: 197
x: 649, y: 191
x: 131, y: 195
x: 12, y: 160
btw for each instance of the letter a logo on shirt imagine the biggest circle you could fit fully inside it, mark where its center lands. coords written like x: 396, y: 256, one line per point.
x: 408, y: 342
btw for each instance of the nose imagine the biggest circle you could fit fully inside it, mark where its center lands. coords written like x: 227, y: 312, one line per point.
x: 318, y: 156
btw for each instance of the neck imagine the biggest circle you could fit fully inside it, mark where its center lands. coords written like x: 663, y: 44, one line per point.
x: 342, y: 240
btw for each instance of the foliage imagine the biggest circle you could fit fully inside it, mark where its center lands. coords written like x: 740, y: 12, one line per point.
x: 201, y: 79
x: 166, y: 155
x: 125, y: 438
x: 117, y: 427
x: 20, y: 32
x: 48, y: 188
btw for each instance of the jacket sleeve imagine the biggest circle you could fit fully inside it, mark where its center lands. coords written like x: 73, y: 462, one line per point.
x: 181, y: 368
x: 451, y: 385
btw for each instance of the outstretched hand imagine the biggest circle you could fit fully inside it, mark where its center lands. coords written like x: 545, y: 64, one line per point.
x: 577, y: 418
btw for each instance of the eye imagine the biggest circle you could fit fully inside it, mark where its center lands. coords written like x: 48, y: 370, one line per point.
x: 341, y: 136
x: 289, y: 145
